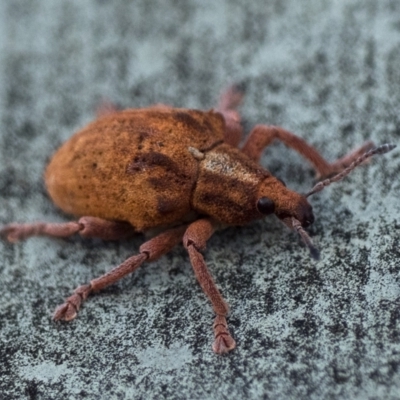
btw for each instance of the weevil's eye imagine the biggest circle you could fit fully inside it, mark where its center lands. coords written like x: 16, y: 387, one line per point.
x: 281, y: 181
x: 265, y: 206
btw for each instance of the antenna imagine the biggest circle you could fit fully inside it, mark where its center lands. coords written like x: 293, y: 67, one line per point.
x: 385, y: 148
x: 295, y: 224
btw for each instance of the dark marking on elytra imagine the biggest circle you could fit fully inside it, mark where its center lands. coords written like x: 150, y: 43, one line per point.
x: 143, y: 135
x: 159, y: 183
x: 165, y: 206
x: 151, y: 160
x: 189, y: 121
x: 165, y: 183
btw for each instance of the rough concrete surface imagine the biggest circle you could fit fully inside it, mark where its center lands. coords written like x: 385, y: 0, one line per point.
x: 328, y: 70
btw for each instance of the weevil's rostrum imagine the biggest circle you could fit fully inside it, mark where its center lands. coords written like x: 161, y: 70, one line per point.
x: 177, y: 171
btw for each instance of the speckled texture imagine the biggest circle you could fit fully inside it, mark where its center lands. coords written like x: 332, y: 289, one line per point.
x: 327, y: 70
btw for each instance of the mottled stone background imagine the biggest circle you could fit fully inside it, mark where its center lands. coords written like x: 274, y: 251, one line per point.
x: 328, y: 70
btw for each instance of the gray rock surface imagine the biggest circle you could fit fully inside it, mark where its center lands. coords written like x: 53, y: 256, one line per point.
x: 327, y: 70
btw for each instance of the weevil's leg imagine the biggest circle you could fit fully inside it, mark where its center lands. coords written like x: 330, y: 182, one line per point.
x: 228, y: 103
x: 161, y: 106
x: 106, y: 107
x: 14, y: 232
x: 148, y: 251
x: 88, y: 227
x: 194, y: 241
x: 231, y: 98
x: 346, y: 160
x: 262, y: 136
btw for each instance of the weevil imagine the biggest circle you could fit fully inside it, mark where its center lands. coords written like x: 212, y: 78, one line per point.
x: 179, y: 172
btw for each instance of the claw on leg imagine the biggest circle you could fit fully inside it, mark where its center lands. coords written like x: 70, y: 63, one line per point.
x: 69, y: 309
x: 223, y: 342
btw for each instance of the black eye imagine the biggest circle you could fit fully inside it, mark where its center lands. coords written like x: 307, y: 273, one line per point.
x: 265, y: 206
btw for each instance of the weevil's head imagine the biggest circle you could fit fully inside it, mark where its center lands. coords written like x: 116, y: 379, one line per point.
x: 275, y: 198
x: 290, y: 207
x: 293, y: 208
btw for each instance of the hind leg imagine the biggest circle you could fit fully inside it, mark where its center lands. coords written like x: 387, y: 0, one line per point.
x: 88, y: 227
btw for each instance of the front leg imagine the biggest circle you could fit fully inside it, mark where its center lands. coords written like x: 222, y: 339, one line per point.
x: 194, y: 241
x: 262, y: 136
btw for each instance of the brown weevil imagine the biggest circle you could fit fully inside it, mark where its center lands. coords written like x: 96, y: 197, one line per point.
x: 179, y: 172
